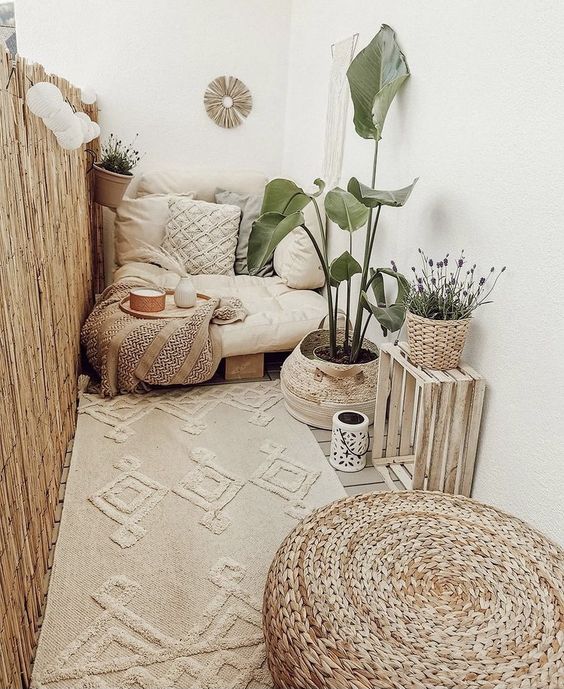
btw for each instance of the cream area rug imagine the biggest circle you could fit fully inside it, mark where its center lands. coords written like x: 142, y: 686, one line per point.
x: 176, y: 502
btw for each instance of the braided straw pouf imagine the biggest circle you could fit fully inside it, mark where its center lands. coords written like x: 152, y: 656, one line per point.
x: 415, y: 590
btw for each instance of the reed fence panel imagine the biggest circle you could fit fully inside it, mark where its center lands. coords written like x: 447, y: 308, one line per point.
x: 50, y: 268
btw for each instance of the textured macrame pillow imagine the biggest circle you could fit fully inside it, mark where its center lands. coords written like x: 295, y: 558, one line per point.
x: 203, y: 235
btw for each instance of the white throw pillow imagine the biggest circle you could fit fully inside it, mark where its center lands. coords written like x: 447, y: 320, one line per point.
x: 138, y: 221
x: 295, y: 259
x: 203, y: 235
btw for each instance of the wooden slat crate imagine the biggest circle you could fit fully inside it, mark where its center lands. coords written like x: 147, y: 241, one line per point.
x: 426, y: 423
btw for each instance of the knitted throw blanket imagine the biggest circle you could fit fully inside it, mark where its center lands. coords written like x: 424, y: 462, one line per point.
x: 128, y: 352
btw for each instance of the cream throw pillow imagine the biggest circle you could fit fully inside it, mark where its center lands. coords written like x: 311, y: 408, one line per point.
x: 203, y: 235
x: 138, y: 222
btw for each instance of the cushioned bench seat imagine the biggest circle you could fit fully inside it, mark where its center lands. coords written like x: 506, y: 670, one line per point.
x: 278, y: 316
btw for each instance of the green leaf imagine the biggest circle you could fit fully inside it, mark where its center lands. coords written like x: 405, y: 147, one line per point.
x: 320, y: 184
x: 283, y: 196
x: 375, y: 76
x: 372, y: 197
x: 343, y: 268
x: 267, y: 232
x: 390, y: 317
x: 342, y: 208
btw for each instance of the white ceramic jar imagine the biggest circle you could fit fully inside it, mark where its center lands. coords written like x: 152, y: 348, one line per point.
x: 185, y: 293
x: 349, y: 440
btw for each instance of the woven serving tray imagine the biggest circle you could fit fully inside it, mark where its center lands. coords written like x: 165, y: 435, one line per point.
x: 170, y: 310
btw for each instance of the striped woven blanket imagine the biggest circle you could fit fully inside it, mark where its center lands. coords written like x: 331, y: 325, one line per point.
x: 130, y: 353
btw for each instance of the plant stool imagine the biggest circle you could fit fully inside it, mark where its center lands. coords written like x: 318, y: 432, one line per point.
x: 426, y: 423
x: 416, y: 590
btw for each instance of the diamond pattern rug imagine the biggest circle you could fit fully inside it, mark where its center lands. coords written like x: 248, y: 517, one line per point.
x: 176, y: 502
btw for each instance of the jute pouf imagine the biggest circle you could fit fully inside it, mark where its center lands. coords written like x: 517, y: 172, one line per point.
x: 415, y: 590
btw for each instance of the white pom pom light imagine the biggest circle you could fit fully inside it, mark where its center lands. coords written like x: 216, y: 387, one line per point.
x: 71, y: 129
x: 87, y: 95
x: 44, y: 99
x: 61, y: 120
x: 72, y: 137
x: 94, y: 132
x: 90, y: 130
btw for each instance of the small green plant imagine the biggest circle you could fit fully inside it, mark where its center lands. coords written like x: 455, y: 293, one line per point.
x: 119, y: 157
x: 448, y: 292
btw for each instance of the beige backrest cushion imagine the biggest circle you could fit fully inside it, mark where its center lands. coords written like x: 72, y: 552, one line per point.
x: 295, y: 259
x: 140, y: 220
x: 202, y: 182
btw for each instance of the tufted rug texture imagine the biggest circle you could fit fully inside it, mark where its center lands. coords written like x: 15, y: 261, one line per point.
x: 176, y: 503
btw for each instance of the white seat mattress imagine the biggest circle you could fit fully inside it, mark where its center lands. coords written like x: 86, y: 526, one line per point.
x: 278, y: 316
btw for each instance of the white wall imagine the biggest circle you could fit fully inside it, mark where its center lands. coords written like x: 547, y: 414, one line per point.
x: 150, y: 63
x: 480, y: 121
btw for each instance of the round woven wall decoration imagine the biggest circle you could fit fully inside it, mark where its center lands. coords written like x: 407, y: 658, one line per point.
x: 228, y: 101
x: 415, y: 590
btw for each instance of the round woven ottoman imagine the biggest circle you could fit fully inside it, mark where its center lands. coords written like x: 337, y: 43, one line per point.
x: 415, y: 590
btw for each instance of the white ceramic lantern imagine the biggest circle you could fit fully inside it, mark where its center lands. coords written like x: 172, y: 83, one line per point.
x: 349, y: 441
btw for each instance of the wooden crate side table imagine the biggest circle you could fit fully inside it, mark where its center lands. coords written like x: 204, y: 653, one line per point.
x: 426, y: 423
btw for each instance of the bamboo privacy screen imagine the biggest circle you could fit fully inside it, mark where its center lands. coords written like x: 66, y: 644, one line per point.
x: 49, y: 269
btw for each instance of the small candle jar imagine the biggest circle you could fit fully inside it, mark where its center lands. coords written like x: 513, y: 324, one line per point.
x: 147, y: 299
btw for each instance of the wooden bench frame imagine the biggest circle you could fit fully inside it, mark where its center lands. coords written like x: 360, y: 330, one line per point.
x: 244, y: 366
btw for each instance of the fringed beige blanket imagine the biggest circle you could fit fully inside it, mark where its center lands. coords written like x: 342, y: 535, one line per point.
x: 128, y: 352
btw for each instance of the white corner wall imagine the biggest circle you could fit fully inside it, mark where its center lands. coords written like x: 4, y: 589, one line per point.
x: 150, y: 63
x: 480, y: 121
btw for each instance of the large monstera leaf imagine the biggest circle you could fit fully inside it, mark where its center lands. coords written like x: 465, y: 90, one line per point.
x: 375, y: 76
x: 390, y: 317
x: 342, y: 208
x: 373, y: 197
x: 267, y: 232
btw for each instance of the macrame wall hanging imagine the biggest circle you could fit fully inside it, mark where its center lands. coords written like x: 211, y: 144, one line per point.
x: 337, y: 107
x: 227, y: 101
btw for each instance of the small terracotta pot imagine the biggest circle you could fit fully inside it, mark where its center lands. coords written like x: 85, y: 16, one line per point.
x: 110, y: 187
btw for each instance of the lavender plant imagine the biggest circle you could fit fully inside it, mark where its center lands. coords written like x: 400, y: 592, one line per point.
x: 449, y: 291
x: 119, y: 157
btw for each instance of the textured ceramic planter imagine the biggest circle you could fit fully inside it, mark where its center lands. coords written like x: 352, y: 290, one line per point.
x: 314, y: 390
x: 110, y: 187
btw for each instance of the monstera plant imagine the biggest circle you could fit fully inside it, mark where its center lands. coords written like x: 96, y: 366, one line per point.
x: 375, y: 76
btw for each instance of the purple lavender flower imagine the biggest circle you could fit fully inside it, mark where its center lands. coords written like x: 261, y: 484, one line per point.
x: 419, y: 287
x: 394, y: 267
x: 460, y: 262
x: 431, y: 262
x: 482, y: 280
x: 433, y: 281
x: 420, y: 281
x: 445, y: 260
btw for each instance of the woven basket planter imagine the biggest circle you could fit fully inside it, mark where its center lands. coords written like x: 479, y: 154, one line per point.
x: 314, y: 390
x: 436, y: 344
